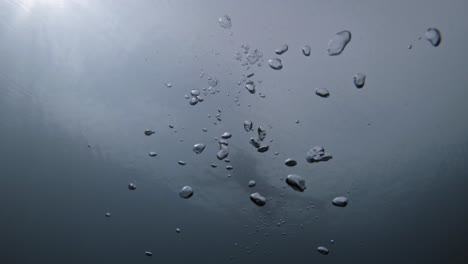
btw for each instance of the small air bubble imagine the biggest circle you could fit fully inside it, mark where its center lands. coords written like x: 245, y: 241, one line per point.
x: 258, y: 199
x: 306, y: 50
x: 322, y: 92
x: 263, y: 148
x: 290, y: 162
x: 226, y: 135
x: 359, y: 80
x: 323, y: 250
x: 282, y: 49
x: 248, y: 125
x: 275, y: 64
x: 186, y: 192
x: 433, y: 36
x: 149, y: 132
x: 198, y: 148
x: 296, y: 182
x: 340, y: 201
x: 252, y: 183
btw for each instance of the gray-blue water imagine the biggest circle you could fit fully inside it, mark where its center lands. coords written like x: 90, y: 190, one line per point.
x: 81, y: 82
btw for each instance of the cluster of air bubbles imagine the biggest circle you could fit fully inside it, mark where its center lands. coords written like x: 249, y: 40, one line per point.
x: 212, y: 81
x: 254, y: 56
x: 248, y: 58
x: 257, y: 141
x: 225, y: 22
x: 223, y: 147
x: 195, y: 97
x: 317, y: 154
x: 432, y: 35
x: 218, y: 117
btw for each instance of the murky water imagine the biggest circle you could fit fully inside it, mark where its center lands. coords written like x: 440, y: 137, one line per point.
x: 81, y: 80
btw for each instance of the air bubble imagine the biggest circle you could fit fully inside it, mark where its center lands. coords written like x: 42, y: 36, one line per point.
x: 258, y: 199
x: 306, y: 50
x: 433, y: 36
x: 186, y: 192
x: 275, y: 64
x: 337, y: 44
x: 359, y: 80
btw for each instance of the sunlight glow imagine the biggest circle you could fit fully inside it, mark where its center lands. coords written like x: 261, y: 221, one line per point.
x: 29, y: 5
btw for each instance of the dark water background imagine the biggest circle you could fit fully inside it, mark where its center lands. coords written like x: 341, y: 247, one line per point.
x: 74, y: 73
